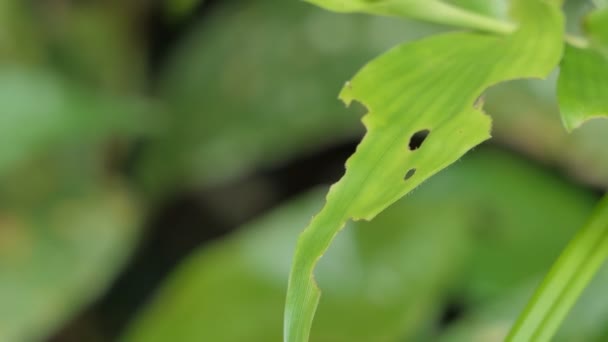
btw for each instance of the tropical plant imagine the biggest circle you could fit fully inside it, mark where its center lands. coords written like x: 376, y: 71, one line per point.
x: 158, y: 160
x: 424, y: 102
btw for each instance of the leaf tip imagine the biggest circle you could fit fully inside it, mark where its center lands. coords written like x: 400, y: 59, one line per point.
x: 346, y: 95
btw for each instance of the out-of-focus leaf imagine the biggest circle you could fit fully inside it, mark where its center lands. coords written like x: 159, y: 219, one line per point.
x: 497, y: 9
x: 256, y: 84
x: 569, y: 276
x: 409, y: 91
x: 492, y: 320
x: 583, y: 86
x: 527, y: 119
x: 587, y: 321
x: 508, y: 229
x: 59, y: 247
x: 19, y: 40
x: 383, y: 280
x: 600, y: 3
x: 436, y: 11
x: 39, y: 112
x: 95, y: 43
x: 596, y: 26
x: 65, y: 227
x: 180, y: 8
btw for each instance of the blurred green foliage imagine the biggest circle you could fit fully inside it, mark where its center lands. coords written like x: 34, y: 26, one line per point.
x: 93, y: 135
x: 245, y: 91
x: 472, y: 232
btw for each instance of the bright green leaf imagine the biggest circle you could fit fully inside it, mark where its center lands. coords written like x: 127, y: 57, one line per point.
x: 583, y: 86
x: 428, y: 86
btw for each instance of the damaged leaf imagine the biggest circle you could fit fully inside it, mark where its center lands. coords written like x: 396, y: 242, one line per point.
x: 428, y: 85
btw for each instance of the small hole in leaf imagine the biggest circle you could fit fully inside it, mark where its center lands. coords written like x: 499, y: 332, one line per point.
x: 418, y: 138
x: 410, y: 174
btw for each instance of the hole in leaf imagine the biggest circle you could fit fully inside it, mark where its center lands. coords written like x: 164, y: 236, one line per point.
x: 418, y: 138
x: 410, y: 174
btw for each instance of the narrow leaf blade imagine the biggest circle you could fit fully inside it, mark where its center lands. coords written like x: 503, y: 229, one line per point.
x: 566, y: 281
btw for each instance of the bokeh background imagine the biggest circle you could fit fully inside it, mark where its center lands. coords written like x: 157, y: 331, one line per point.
x: 159, y: 158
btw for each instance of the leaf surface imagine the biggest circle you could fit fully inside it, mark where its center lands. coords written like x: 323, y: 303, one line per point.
x: 582, y: 87
x: 428, y: 10
x: 428, y: 86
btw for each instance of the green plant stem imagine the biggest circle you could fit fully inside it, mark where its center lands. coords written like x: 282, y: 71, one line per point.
x: 442, y: 13
x: 446, y: 14
x: 569, y: 276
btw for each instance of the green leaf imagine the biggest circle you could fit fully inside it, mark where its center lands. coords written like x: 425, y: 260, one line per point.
x: 575, y: 268
x: 428, y: 10
x: 497, y: 8
x: 582, y: 86
x: 41, y: 112
x: 492, y: 319
x: 428, y: 86
x: 600, y: 3
x: 583, y: 81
